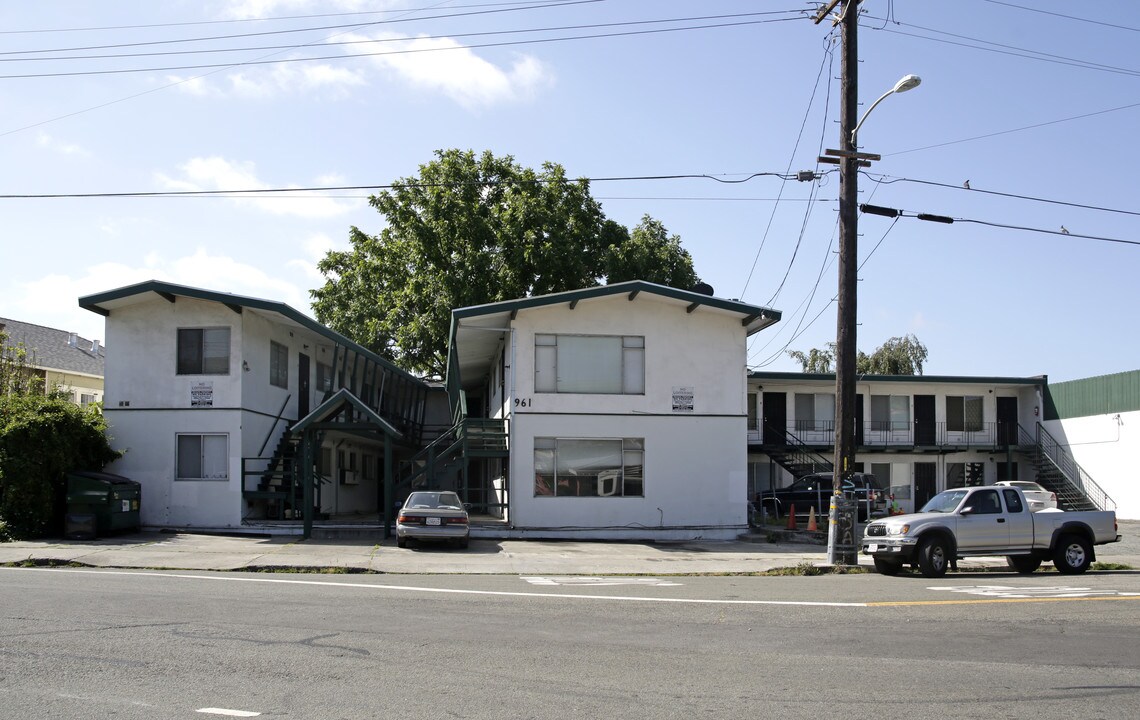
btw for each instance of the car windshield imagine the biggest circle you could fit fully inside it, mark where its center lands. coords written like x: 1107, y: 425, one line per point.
x: 434, y: 500
x: 944, y: 502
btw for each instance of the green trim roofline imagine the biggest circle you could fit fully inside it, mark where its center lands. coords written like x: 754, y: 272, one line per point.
x: 633, y: 288
x: 959, y: 379
x: 169, y: 291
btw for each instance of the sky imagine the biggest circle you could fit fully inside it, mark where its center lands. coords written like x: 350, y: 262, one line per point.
x: 105, y: 106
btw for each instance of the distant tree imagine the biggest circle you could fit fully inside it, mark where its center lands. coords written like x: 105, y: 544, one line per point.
x: 897, y: 356
x: 471, y: 230
x: 42, y: 438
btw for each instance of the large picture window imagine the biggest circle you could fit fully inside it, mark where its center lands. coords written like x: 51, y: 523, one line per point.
x: 203, y: 457
x: 609, y: 467
x: 815, y: 411
x: 278, y: 365
x: 964, y: 413
x: 598, y: 364
x: 204, y: 351
x: 890, y: 413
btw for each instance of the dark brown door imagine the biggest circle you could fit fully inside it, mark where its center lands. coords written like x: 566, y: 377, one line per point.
x: 302, y: 385
x: 924, y: 420
x: 859, y: 420
x: 924, y: 483
x: 1006, y: 421
x: 775, y: 418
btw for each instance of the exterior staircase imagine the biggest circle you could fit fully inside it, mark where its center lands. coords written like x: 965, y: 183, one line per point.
x: 793, y: 455
x: 1059, y: 473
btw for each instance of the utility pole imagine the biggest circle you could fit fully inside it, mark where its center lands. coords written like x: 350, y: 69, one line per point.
x: 841, y: 548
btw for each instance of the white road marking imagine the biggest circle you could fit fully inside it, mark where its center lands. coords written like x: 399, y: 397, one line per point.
x: 227, y: 712
x: 598, y: 581
x: 450, y: 591
x: 1008, y: 591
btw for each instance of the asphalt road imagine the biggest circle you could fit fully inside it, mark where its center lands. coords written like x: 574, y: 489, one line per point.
x: 136, y: 644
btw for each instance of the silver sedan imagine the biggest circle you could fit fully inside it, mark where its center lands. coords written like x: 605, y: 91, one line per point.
x: 433, y: 516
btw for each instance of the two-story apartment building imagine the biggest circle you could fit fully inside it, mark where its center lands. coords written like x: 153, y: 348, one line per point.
x: 625, y: 408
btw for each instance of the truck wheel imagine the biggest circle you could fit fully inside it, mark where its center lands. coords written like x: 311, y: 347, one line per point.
x: 1024, y: 564
x: 933, y: 557
x: 1072, y: 555
x: 887, y: 567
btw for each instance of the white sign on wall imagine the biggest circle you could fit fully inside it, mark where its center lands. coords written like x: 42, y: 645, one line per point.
x: 682, y: 399
x: 202, y: 394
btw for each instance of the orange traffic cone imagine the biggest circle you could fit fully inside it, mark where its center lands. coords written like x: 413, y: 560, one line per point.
x: 811, y: 521
x: 792, y: 518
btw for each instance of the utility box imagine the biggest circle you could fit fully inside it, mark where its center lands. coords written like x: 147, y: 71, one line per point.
x: 112, y: 501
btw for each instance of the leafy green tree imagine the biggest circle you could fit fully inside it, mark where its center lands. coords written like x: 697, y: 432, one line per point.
x: 42, y: 438
x: 471, y: 230
x: 897, y: 356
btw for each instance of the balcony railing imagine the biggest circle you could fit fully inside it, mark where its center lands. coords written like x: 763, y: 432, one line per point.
x: 893, y: 434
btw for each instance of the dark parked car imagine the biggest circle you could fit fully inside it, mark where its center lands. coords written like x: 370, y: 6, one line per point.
x: 815, y: 491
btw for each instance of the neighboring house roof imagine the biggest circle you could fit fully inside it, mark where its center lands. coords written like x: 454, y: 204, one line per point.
x: 926, y: 379
x: 106, y: 302
x: 476, y: 323
x: 57, y: 350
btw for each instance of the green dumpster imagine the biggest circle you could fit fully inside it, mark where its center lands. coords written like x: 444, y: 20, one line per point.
x: 100, y: 503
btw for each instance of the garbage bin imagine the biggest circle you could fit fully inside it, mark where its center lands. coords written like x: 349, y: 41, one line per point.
x: 112, y: 501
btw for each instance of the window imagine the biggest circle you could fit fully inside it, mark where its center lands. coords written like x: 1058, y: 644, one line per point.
x: 964, y: 414
x: 964, y: 475
x: 324, y: 378
x: 86, y: 399
x: 598, y: 364
x: 204, y: 351
x: 278, y: 365
x: 985, y: 502
x: 203, y: 457
x: 815, y: 412
x: 589, y: 467
x: 890, y: 413
x: 1012, y: 501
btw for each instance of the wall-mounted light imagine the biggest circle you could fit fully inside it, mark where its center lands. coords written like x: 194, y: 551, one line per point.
x: 245, y: 365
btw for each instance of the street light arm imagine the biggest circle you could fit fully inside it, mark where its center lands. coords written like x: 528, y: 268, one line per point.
x: 908, y: 82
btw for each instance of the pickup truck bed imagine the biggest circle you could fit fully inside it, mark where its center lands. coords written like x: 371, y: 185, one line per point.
x: 986, y: 520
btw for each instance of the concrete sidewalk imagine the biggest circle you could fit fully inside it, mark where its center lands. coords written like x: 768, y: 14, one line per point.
x: 187, y: 551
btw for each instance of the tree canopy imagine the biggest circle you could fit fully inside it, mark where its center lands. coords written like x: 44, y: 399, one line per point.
x: 897, y: 356
x: 43, y: 436
x: 475, y: 229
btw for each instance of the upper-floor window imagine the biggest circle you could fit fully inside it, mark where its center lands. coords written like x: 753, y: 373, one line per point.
x: 324, y: 377
x: 278, y: 365
x: 599, y: 364
x: 964, y: 413
x: 890, y: 413
x: 204, y: 351
x: 815, y: 412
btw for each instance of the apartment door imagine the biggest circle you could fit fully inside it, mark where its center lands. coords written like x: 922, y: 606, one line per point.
x: 1006, y: 421
x: 775, y: 418
x: 924, y: 433
x: 302, y: 385
x: 925, y: 485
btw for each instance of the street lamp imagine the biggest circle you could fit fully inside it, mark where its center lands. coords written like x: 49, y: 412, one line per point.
x: 908, y: 82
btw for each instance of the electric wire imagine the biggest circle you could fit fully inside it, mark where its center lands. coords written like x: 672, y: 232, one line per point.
x: 1060, y: 15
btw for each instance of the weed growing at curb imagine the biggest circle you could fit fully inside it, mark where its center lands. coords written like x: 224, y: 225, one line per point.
x: 313, y: 570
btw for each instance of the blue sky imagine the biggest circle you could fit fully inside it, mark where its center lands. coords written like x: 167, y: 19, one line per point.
x: 1023, y: 100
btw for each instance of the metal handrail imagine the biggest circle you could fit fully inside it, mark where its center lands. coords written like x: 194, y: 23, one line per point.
x: 1053, y: 451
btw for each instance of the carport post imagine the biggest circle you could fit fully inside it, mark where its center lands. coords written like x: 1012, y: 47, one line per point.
x: 389, y: 491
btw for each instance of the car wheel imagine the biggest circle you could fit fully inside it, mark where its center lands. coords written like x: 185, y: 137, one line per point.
x: 933, y: 557
x: 401, y: 542
x: 1024, y: 564
x: 887, y: 567
x: 1072, y: 555
x: 461, y: 543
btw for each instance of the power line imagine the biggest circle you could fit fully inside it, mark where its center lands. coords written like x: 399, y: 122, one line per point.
x: 884, y: 179
x: 264, y: 19
x: 896, y: 213
x: 347, y: 56
x: 1067, y: 17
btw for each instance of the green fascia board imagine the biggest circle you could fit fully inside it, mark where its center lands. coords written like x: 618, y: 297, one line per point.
x: 333, y: 405
x: 164, y: 289
x: 630, y: 287
x: 634, y: 287
x: 955, y: 379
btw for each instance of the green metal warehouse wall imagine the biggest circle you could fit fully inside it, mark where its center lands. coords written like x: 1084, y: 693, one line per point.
x: 1115, y: 393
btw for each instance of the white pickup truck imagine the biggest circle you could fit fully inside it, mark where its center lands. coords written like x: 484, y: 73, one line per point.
x: 987, y: 520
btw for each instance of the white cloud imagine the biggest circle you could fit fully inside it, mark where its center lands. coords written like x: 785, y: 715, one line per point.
x: 47, y: 141
x: 316, y: 247
x: 215, y: 173
x: 244, y: 9
x: 443, y: 65
x: 52, y: 299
